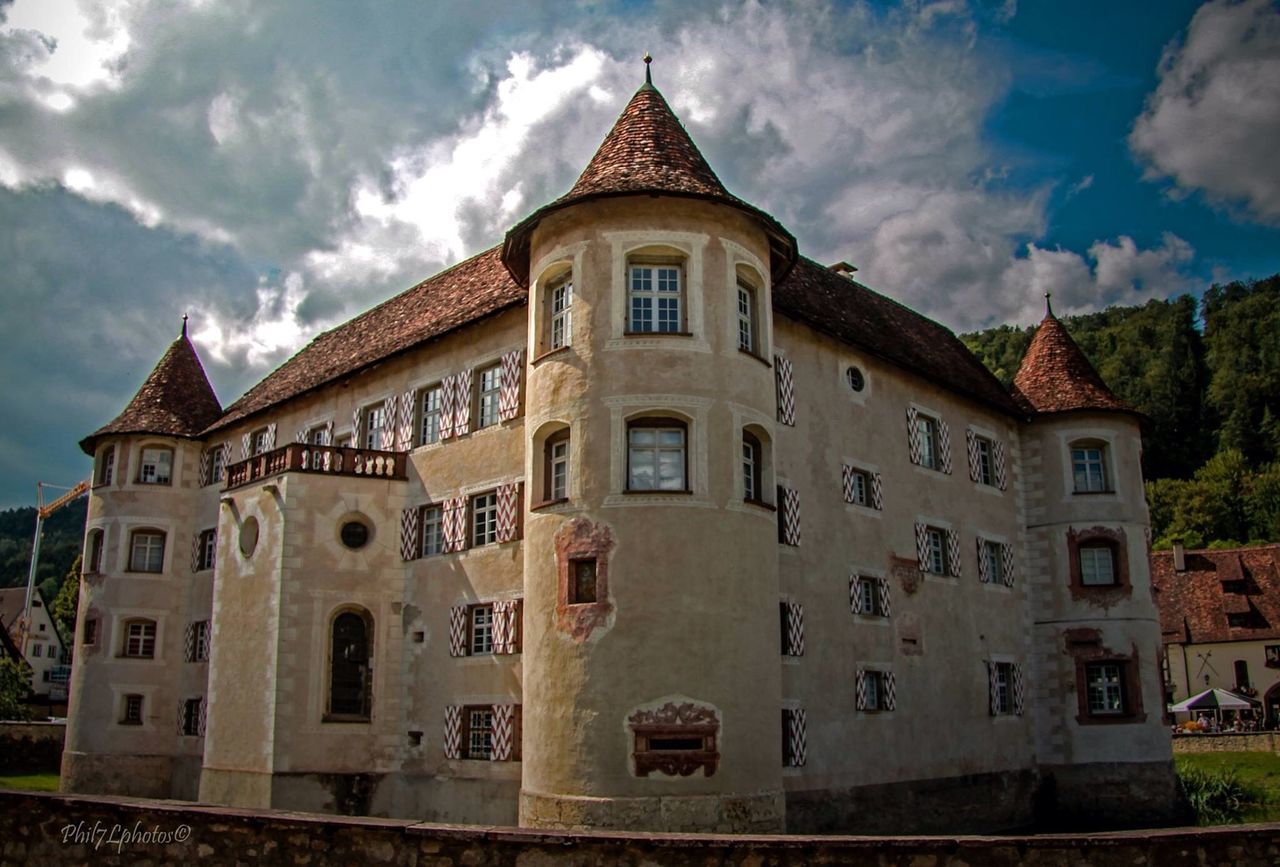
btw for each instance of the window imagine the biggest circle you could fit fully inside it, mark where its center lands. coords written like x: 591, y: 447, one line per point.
x: 793, y: 738
x: 747, y: 318
x: 429, y: 430
x: 432, y: 531
x: 875, y: 691
x: 477, y: 738
x: 139, y: 639
x: 791, y: 624
x: 260, y: 441
x: 318, y: 435
x: 675, y: 740
x: 480, y: 629
x: 146, y: 551
x: 1097, y: 565
x: 1242, y: 674
x: 992, y: 567
x: 374, y: 420
x: 490, y: 391
x: 93, y: 560
x: 191, y: 717
x: 218, y: 465
x: 556, y: 467
x: 870, y: 596
x: 656, y: 455
x: 37, y: 650
x: 927, y: 433
x: 156, y: 467
x: 855, y: 377
x: 350, y: 675
x: 106, y: 468
x: 132, y: 711
x: 752, y: 460
x: 1002, y: 688
x: 654, y: 298
x: 90, y: 633
x: 1088, y: 468
x: 1105, y: 689
x: 859, y: 487
x: 561, y: 314
x: 582, y: 581
x: 354, y: 534
x: 198, y: 642
x: 484, y: 519
x: 345, y: 441
x: 985, y: 470
x: 206, y: 547
x: 935, y: 551
x: 1273, y: 655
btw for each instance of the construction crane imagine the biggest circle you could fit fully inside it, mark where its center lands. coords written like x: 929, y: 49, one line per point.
x: 42, y: 511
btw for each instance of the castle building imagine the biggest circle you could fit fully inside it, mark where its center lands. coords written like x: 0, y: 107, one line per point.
x: 639, y: 520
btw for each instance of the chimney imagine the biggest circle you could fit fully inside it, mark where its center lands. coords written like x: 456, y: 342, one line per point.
x: 1179, y: 556
x: 843, y: 268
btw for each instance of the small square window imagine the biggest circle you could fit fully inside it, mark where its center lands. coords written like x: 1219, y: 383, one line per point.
x: 1097, y: 566
x: 1089, y: 469
x: 132, y: 711
x: 655, y: 299
x: 146, y: 552
x: 139, y: 639
x: 1105, y: 688
x: 156, y: 467
x: 582, y: 581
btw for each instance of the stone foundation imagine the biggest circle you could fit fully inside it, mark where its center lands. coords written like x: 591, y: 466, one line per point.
x: 1108, y: 795
x: 132, y: 775
x: 1261, y: 742
x: 760, y: 813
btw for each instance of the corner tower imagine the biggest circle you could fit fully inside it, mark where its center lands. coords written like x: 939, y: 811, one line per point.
x: 1100, y: 735
x: 651, y: 675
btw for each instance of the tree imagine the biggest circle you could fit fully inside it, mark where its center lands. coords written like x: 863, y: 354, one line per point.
x: 15, y: 689
x: 66, y: 602
x: 1241, y: 324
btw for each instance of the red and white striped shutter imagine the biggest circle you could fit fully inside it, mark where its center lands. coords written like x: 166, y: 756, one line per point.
x: 786, y: 388
x: 993, y: 690
x: 860, y: 690
x: 226, y: 458
x: 404, y: 431
x: 846, y: 480
x: 328, y: 433
x: 409, y: 546
x: 953, y: 553
x: 922, y: 546
x: 508, y: 497
x: 390, y: 415
x: 204, y: 716
x: 971, y: 441
x: 504, y: 732
x: 182, y: 716
x: 795, y: 629
x: 855, y: 596
x: 1019, y: 690
x: 206, y: 464
x: 448, y: 398
x: 504, y: 626
x: 790, y: 516
x: 797, y: 737
x: 195, y: 552
x: 997, y: 457
x: 913, y: 435
x: 882, y: 585
x: 271, y: 436
x: 458, y: 630
x: 356, y: 439
x: 462, y: 403
x: 1008, y: 562
x: 191, y: 643
x: 877, y: 492
x: 460, y: 534
x: 452, y: 731
x: 944, y: 445
x: 300, y: 436
x: 984, y: 571
x: 447, y: 525
x: 245, y: 443
x: 890, y: 691
x: 203, y: 641
x: 509, y: 394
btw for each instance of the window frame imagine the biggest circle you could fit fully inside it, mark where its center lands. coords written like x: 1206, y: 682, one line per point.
x: 203, y: 638
x: 1120, y: 685
x: 208, y: 549
x: 191, y: 717
x: 428, y: 429
x: 1093, y: 548
x: 89, y: 633
x: 485, y: 753
x: 134, y: 537
x: 861, y: 488
x: 748, y: 321
x: 653, y: 295
x: 927, y: 434
x: 488, y: 400
x: 474, y: 635
x: 658, y: 424
x: 97, y: 546
x: 1003, y: 677
x: 874, y: 679
x: 366, y: 671
x: 489, y: 512
x: 985, y: 449
x: 374, y: 437
x: 870, y: 584
x: 1103, y: 483
x: 993, y: 554
x: 152, y: 467
x: 105, y: 467
x: 551, y: 493
x: 572, y: 590
x: 752, y: 468
x: 931, y: 533
x: 132, y: 706
x: 432, y: 516
x: 259, y: 441
x: 143, y: 644
x: 560, y: 312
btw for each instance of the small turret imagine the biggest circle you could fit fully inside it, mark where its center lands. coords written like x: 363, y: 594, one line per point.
x: 1055, y: 375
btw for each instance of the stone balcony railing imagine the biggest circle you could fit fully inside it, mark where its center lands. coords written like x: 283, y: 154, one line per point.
x: 324, y: 460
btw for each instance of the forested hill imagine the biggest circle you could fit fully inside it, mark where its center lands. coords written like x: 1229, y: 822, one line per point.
x: 63, y: 536
x: 1207, y: 375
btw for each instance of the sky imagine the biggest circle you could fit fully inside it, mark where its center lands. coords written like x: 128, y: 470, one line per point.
x: 273, y: 168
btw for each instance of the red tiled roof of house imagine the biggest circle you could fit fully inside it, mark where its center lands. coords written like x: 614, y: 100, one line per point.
x: 648, y: 152
x: 854, y: 314
x: 1194, y: 604
x: 457, y: 296
x: 175, y: 400
x: 1055, y: 375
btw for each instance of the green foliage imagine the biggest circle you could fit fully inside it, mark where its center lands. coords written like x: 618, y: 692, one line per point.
x: 1217, y: 796
x: 63, y: 538
x: 1242, y: 336
x: 1221, y: 506
x: 15, y: 689
x: 30, y: 782
x: 67, y: 601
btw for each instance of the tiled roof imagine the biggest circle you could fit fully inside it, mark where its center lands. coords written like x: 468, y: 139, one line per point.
x: 648, y: 152
x: 176, y: 399
x: 850, y: 312
x: 458, y: 296
x: 1055, y: 375
x: 1194, y: 604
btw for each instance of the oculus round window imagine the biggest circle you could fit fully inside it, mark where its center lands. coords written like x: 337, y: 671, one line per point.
x: 354, y: 534
x: 856, y: 380
x: 249, y: 536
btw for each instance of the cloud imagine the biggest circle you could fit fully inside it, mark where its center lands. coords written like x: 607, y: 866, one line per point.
x: 1213, y: 122
x: 1079, y: 186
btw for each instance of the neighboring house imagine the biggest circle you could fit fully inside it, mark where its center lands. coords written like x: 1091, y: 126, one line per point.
x: 637, y: 520
x: 46, y: 651
x: 1220, y: 618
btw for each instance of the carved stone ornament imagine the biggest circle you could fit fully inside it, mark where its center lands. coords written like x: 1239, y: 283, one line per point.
x: 907, y: 571
x: 671, y: 714
x: 675, y: 739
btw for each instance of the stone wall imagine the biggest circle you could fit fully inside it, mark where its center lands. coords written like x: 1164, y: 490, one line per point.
x: 1259, y: 742
x: 58, y: 829
x: 31, y: 747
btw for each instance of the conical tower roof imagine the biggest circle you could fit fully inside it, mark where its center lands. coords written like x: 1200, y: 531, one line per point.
x: 1055, y: 375
x: 176, y: 399
x: 648, y: 152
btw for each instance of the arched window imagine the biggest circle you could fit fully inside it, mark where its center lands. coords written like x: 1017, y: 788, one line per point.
x: 93, y: 552
x: 104, y: 472
x: 748, y: 318
x: 657, y: 450
x: 350, y: 673
x: 1089, y: 473
x: 752, y: 468
x: 556, y: 467
x: 146, y: 551
x: 139, y: 639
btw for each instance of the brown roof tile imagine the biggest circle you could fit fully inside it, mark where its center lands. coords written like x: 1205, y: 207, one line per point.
x: 648, y: 152
x: 175, y: 400
x: 465, y: 293
x: 850, y: 312
x: 1055, y: 375
x: 1194, y: 604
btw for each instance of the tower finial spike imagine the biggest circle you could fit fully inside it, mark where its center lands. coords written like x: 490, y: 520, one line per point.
x: 1048, y: 303
x: 184, y: 325
x: 648, y: 58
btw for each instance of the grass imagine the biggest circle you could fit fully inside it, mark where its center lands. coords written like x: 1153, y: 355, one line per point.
x: 1256, y: 773
x: 30, y: 782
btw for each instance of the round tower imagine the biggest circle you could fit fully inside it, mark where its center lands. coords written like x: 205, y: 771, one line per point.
x: 1101, y: 739
x: 651, y: 644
